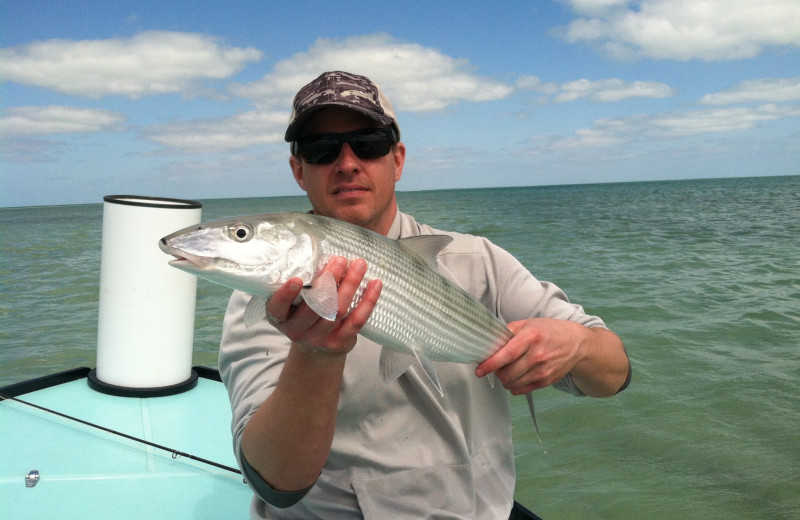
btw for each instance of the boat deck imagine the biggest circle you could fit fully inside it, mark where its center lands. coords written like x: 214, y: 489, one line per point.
x: 103, y: 456
x: 86, y: 472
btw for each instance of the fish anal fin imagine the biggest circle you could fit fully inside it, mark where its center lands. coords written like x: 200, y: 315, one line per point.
x: 322, y: 296
x: 427, y: 247
x: 254, y: 311
x: 393, y: 364
x: 430, y: 371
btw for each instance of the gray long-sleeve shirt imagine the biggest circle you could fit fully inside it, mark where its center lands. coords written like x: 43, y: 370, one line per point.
x: 399, y: 449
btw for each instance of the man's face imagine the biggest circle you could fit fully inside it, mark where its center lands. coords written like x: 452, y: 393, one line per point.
x: 356, y: 190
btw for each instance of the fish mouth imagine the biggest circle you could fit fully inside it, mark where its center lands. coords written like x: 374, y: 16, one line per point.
x: 183, y: 260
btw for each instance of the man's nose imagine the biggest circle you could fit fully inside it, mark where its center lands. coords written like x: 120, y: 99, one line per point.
x: 347, y: 160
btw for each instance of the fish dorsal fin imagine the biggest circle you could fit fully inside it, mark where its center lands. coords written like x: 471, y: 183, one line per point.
x: 427, y: 247
x: 322, y: 296
x: 529, y: 398
x: 254, y: 311
x: 393, y: 364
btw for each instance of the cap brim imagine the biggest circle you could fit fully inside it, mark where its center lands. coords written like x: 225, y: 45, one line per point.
x: 295, y: 128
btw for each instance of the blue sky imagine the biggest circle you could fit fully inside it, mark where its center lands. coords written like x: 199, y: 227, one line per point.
x: 191, y: 99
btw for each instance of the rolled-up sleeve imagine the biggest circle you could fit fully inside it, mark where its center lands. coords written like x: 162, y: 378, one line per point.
x: 508, y: 289
x: 250, y: 363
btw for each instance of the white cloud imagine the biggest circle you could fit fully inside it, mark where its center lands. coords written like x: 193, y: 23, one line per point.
x: 49, y: 120
x: 30, y: 150
x: 221, y: 135
x: 711, y: 30
x: 610, y: 90
x: 596, y: 7
x: 718, y: 120
x: 615, y: 131
x: 153, y: 62
x: 603, y: 91
x: 772, y: 90
x: 536, y: 84
x: 415, y: 78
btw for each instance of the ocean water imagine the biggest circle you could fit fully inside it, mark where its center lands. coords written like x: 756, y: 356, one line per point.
x: 701, y: 279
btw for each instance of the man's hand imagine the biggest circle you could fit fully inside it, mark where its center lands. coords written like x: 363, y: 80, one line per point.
x: 288, y: 439
x: 311, y: 332
x: 544, y: 350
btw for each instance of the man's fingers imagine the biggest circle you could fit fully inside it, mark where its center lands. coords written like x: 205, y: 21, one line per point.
x: 359, y: 316
x: 509, y: 353
x: 337, y: 267
x: 302, y: 325
x: 350, y: 283
x: 348, y: 325
x: 279, y: 305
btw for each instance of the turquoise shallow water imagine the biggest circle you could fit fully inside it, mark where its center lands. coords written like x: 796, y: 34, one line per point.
x: 700, y: 278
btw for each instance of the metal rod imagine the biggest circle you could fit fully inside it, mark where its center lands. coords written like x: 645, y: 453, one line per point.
x: 175, y: 453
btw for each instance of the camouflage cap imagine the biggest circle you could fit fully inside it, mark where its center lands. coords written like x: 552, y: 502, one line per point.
x: 340, y: 89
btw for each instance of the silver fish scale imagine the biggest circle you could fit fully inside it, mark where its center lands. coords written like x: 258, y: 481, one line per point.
x: 418, y: 308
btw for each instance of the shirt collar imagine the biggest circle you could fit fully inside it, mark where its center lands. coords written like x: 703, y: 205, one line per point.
x: 394, y: 229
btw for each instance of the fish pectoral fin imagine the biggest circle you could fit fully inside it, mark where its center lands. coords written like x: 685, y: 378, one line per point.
x: 427, y: 247
x: 529, y: 398
x: 255, y: 311
x: 393, y: 364
x: 322, y: 296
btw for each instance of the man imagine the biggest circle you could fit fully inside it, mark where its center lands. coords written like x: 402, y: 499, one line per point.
x: 317, y: 432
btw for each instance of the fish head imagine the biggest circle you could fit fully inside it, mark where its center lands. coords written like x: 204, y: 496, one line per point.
x: 254, y: 254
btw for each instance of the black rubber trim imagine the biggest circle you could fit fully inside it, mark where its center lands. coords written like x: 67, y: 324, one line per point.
x: 152, y: 202
x: 125, y: 391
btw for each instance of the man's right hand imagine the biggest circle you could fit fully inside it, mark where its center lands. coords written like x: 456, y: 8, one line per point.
x: 288, y: 439
x: 308, y: 330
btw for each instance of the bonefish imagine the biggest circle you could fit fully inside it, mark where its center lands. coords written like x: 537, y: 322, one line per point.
x: 419, y: 315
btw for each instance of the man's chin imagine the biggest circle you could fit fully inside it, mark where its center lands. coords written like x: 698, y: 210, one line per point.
x: 353, y: 213
x: 360, y: 215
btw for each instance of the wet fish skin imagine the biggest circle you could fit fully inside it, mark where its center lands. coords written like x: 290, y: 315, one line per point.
x: 419, y: 315
x: 419, y: 312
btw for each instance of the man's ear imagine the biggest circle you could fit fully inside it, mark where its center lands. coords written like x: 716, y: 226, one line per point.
x: 296, y: 164
x: 399, y: 154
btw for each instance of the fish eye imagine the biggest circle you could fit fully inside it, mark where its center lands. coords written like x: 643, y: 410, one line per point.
x: 241, y: 232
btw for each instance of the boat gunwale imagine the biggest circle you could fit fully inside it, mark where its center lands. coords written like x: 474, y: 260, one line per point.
x: 43, y: 382
x: 74, y: 374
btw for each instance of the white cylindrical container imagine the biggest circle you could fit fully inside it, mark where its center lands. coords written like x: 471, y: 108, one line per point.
x: 145, y: 328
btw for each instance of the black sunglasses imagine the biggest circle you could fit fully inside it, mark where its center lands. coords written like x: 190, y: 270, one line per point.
x: 369, y: 143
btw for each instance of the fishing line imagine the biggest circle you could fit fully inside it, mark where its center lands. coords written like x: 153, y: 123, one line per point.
x: 173, y: 452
